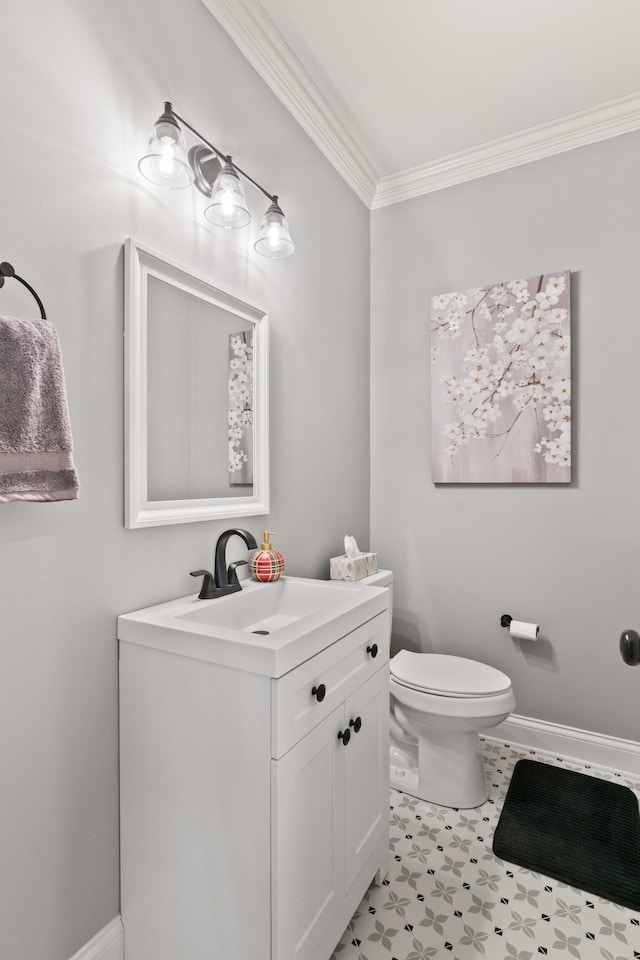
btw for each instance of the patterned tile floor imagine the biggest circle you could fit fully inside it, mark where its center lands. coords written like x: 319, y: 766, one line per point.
x: 447, y: 896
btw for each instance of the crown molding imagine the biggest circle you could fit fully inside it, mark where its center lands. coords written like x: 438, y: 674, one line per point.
x: 258, y: 38
x: 558, y: 136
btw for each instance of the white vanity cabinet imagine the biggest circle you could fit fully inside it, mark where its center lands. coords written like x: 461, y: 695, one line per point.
x: 330, y: 814
x: 249, y: 827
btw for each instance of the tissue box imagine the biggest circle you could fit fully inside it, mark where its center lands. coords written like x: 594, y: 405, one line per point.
x: 353, y: 568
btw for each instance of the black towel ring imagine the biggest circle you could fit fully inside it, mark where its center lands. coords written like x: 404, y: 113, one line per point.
x: 6, y: 270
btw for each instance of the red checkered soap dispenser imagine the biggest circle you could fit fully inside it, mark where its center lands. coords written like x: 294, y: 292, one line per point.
x: 266, y: 564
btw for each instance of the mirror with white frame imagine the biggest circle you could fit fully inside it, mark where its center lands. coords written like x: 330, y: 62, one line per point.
x: 196, y: 399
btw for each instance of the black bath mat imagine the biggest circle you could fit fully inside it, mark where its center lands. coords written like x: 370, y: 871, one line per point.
x: 574, y: 828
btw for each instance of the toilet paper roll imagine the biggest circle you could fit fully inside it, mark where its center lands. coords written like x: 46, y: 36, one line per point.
x: 520, y: 630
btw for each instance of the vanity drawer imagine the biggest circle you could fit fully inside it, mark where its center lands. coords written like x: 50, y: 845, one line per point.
x: 340, y: 669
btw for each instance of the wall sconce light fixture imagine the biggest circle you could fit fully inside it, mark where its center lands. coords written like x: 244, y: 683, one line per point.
x: 168, y: 164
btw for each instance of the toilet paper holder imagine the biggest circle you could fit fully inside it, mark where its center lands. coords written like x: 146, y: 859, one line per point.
x: 518, y: 630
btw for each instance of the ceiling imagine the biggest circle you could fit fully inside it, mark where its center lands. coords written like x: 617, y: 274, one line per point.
x: 410, y: 96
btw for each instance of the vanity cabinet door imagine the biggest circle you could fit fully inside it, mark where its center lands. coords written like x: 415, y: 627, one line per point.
x: 308, y: 843
x: 366, y: 772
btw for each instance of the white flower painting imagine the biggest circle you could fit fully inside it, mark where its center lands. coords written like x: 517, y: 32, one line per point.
x: 501, y: 383
x: 241, y: 407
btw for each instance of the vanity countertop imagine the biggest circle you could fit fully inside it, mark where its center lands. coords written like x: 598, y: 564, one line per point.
x: 303, y: 617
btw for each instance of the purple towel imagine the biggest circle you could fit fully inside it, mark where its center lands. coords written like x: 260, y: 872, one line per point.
x: 36, y: 448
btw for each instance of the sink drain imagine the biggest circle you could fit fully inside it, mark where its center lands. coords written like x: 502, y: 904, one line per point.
x: 263, y: 633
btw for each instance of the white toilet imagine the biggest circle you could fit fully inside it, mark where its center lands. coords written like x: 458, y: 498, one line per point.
x: 439, y: 704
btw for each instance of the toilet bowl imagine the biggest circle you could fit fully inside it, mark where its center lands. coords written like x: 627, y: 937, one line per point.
x: 439, y: 705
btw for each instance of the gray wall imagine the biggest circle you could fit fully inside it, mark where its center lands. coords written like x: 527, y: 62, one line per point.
x: 82, y: 83
x: 565, y: 557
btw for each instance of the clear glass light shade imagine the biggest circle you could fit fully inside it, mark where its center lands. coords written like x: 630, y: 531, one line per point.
x: 274, y: 240
x: 228, y: 207
x: 165, y: 162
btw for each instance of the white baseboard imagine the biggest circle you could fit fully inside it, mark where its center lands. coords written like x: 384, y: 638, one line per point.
x: 108, y: 944
x: 569, y: 742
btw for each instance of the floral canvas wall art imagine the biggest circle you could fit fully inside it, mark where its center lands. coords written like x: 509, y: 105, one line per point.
x: 501, y: 383
x: 241, y: 407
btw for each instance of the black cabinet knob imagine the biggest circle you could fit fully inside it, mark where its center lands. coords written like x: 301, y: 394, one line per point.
x: 345, y: 736
x: 356, y: 724
x: 319, y: 692
x: 373, y: 650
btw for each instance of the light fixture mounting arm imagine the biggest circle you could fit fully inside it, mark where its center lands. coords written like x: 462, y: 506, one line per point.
x: 225, y: 158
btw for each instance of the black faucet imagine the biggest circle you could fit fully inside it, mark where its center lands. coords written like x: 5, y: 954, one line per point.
x: 229, y: 577
x: 224, y: 581
x: 208, y: 589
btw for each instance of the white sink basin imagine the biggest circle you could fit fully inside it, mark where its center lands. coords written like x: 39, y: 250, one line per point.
x: 270, y: 606
x: 268, y: 628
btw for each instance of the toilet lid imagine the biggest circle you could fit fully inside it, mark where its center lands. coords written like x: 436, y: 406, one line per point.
x: 448, y: 676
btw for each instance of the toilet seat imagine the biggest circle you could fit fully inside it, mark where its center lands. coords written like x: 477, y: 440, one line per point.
x: 447, y: 676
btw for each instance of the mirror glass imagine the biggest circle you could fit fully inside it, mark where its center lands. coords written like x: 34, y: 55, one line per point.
x: 196, y: 397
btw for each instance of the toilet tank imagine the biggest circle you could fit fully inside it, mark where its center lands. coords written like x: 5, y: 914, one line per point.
x: 382, y: 578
